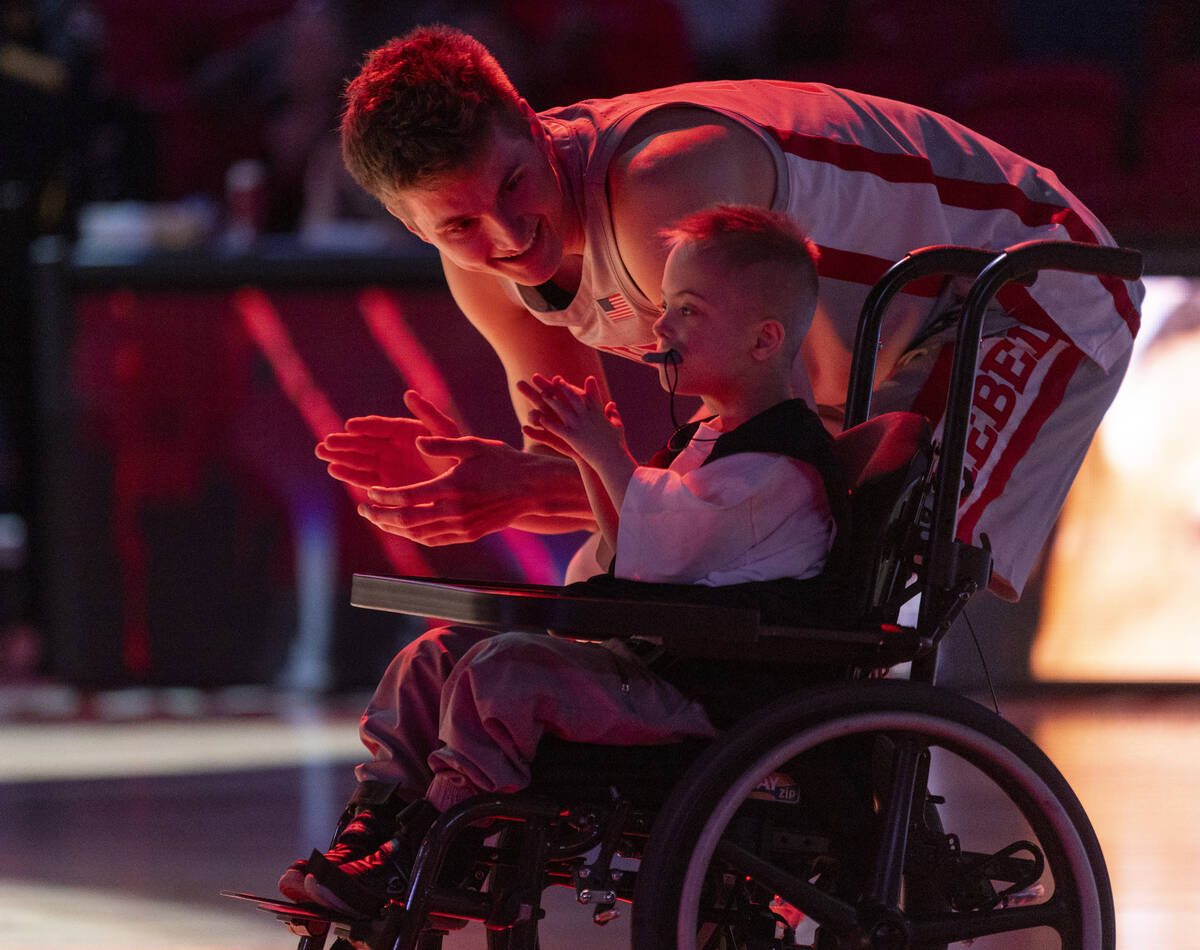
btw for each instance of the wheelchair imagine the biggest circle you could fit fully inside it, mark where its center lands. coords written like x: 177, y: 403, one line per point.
x: 824, y: 817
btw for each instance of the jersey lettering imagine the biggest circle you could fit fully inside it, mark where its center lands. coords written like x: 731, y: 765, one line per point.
x: 980, y: 442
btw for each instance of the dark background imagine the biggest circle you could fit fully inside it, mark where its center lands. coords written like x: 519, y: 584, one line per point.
x: 162, y: 518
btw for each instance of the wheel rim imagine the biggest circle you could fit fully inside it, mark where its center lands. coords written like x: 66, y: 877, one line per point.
x: 1075, y: 890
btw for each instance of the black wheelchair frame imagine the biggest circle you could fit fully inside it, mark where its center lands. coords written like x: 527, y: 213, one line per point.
x: 855, y: 844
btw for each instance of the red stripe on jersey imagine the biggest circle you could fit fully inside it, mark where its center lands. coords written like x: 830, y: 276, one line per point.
x: 1049, y: 397
x: 956, y: 192
x: 1078, y: 231
x: 1018, y: 302
x: 918, y: 169
x: 852, y: 157
x: 634, y: 352
x: 838, y: 264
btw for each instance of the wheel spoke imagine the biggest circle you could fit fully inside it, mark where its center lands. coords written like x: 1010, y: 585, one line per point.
x: 889, y: 863
x: 805, y: 897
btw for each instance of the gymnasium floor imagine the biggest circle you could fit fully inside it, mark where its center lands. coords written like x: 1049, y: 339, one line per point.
x: 125, y: 814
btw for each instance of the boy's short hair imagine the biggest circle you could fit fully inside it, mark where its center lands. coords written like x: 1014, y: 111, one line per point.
x: 423, y: 104
x: 744, y: 236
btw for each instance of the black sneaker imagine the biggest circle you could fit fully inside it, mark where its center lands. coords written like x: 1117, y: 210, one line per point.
x: 360, y: 887
x: 369, y: 825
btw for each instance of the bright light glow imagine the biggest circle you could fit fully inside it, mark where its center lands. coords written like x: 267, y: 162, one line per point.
x: 1120, y: 601
x: 39, y: 753
x: 388, y: 326
x: 385, y: 320
x: 269, y: 333
x: 1142, y: 809
x: 51, y: 917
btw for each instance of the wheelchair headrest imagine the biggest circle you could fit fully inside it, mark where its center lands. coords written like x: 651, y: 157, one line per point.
x: 880, y: 445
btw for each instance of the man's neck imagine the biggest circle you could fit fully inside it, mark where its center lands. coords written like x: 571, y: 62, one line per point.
x: 567, y: 277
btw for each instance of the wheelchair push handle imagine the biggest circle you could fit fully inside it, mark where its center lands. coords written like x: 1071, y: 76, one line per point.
x: 1023, y: 261
x: 936, y: 260
x: 1019, y: 263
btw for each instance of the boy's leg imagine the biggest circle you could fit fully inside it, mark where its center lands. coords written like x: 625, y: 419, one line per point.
x: 514, y: 688
x: 1038, y: 401
x: 503, y: 696
x: 399, y: 728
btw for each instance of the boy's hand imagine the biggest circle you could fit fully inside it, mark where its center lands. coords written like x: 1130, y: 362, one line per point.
x: 582, y: 425
x: 535, y: 432
x: 577, y: 422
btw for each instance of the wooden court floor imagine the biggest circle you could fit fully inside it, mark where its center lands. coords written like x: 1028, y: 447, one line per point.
x: 119, y: 829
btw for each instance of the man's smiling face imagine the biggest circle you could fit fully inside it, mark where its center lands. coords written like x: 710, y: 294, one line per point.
x: 502, y: 212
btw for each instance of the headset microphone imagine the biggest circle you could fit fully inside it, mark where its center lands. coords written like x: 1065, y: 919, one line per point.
x: 665, y: 357
x: 671, y: 359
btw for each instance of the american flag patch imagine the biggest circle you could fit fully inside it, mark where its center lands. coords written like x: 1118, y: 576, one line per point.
x: 616, y: 306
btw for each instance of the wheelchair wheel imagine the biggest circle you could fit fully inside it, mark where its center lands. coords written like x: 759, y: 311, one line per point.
x: 732, y: 866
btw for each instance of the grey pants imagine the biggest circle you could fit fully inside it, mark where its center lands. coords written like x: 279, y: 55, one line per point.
x: 460, y: 710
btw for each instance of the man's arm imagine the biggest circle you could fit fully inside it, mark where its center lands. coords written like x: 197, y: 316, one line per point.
x: 526, y: 346
x: 671, y: 163
x: 486, y: 484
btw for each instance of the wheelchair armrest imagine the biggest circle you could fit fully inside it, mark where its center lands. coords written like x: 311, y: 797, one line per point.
x: 697, y: 630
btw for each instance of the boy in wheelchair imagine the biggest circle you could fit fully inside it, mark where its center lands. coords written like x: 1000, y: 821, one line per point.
x: 748, y: 503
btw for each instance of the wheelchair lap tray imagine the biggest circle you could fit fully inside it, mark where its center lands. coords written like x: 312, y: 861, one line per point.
x: 685, y: 629
x: 538, y: 607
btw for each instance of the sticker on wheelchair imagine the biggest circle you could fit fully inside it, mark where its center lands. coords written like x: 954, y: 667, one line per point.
x: 777, y: 787
x: 790, y: 915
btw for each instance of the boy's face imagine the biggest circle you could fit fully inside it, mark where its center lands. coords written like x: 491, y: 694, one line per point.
x: 502, y: 213
x: 709, y: 318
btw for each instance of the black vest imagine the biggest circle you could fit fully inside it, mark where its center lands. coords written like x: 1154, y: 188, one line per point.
x: 788, y: 428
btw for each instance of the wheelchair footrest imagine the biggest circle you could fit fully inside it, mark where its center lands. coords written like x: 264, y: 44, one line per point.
x: 303, y: 920
x: 978, y: 874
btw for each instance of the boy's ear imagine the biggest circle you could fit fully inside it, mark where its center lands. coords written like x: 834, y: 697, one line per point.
x: 768, y: 339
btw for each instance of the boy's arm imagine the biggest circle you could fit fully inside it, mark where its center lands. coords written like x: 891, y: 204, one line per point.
x: 582, y: 424
x: 604, y: 512
x: 607, y: 514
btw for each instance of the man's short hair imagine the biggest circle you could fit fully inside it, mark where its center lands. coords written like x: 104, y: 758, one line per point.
x: 424, y: 103
x: 745, y: 235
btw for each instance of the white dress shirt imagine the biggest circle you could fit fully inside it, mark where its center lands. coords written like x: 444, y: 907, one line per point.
x: 751, y: 516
